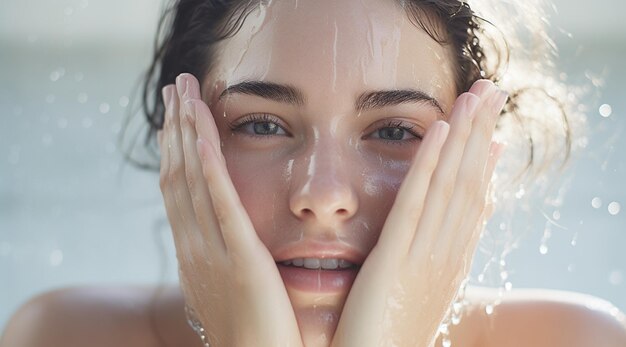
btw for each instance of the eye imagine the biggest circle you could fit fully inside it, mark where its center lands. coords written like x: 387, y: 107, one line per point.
x: 397, y: 132
x: 260, y: 125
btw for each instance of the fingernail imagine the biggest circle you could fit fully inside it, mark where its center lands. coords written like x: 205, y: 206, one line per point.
x: 443, y: 130
x: 166, y: 93
x: 181, y: 86
x: 471, y: 103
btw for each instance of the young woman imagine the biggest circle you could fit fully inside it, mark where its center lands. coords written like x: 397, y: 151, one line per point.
x: 326, y: 169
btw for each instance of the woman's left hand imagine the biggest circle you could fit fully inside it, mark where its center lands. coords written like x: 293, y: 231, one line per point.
x: 412, y: 275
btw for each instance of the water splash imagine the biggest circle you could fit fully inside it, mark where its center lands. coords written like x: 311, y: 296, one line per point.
x: 614, y: 208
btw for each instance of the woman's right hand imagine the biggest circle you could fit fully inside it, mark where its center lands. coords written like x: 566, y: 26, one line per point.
x: 227, y: 275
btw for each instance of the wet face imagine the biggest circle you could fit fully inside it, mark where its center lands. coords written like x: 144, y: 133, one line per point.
x: 320, y: 107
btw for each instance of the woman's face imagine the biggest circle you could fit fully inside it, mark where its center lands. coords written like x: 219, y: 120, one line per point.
x: 341, y: 92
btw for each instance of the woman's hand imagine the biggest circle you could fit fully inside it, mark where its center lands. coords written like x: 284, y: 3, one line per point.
x: 228, y: 276
x: 424, y: 252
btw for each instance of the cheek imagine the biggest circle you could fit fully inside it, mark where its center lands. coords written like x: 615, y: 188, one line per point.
x: 261, y: 189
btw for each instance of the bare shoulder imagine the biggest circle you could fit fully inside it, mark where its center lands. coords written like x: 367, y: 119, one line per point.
x: 101, y: 316
x: 542, y: 317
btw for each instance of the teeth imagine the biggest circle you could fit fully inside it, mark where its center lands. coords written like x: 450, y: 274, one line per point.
x: 316, y: 263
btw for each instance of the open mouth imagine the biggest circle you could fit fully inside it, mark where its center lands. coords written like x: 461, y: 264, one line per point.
x: 320, y: 264
x: 318, y: 275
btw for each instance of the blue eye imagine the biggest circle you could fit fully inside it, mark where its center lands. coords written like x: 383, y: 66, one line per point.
x: 397, y: 132
x: 259, y: 125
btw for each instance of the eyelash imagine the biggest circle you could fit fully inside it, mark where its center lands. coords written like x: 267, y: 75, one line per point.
x: 264, y: 117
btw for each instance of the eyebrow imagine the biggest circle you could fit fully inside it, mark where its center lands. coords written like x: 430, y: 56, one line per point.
x: 368, y: 100
x: 268, y: 90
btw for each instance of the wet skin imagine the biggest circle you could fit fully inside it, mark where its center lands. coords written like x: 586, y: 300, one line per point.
x: 323, y: 164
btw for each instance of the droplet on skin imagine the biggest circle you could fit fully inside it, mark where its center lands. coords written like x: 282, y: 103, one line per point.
x: 605, y: 110
x: 508, y: 286
x: 614, y: 208
x: 543, y: 249
x: 596, y: 202
x: 489, y: 309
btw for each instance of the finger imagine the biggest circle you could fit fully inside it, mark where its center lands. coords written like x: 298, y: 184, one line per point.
x: 477, y: 215
x: 165, y: 183
x: 237, y: 229
x: 399, y: 228
x: 442, y: 184
x: 178, y: 190
x: 198, y: 190
x: 471, y: 183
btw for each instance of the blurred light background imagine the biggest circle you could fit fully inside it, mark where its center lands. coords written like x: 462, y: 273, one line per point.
x: 73, y: 212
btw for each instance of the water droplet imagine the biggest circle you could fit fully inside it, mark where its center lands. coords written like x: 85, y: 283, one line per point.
x: 489, y: 309
x: 57, y: 74
x: 56, y: 257
x: 543, y: 249
x: 456, y: 320
x: 104, y: 108
x: 481, y: 278
x: 46, y: 140
x: 605, y: 110
x: 443, y: 328
x: 508, y: 286
x: 614, y: 208
x: 62, y: 123
x: 616, y: 277
x: 82, y: 98
x: 124, y: 101
x: 574, y: 240
x: 520, y: 193
x: 596, y: 202
x: 87, y: 122
x: 504, y: 275
x: 446, y: 342
x: 556, y: 215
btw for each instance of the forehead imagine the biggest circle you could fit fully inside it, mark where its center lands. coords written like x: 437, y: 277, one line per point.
x: 329, y: 47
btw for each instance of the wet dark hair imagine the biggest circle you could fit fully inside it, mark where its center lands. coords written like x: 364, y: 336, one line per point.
x: 189, y: 31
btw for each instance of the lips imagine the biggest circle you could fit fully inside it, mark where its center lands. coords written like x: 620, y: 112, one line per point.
x: 314, y: 266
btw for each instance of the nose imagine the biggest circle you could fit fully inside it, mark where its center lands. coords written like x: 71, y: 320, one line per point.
x: 322, y: 188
